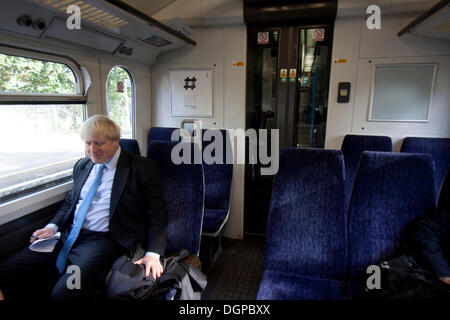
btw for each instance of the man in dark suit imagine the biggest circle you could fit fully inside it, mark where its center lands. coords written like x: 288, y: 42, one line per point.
x: 432, y: 236
x: 115, y: 207
x: 433, y: 243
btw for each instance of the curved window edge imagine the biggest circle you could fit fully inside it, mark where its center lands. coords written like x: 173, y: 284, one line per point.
x: 133, y: 97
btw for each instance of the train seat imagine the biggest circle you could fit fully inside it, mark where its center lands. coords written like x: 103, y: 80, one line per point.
x: 218, y: 180
x: 306, y: 240
x: 438, y: 148
x: 183, y: 190
x: 352, y: 147
x: 391, y: 190
x: 160, y: 134
x: 289, y: 286
x: 130, y: 145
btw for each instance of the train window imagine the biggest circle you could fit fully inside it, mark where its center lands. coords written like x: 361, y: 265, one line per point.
x: 41, y: 112
x: 25, y: 75
x: 120, y: 100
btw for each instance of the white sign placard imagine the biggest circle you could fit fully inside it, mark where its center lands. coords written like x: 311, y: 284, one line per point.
x: 191, y: 92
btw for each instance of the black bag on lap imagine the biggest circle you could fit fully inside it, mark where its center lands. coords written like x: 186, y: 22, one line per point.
x: 403, y: 279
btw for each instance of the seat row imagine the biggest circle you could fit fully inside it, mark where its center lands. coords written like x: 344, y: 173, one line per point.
x: 183, y: 192
x: 217, y: 186
x: 354, y: 145
x: 319, y: 242
x: 320, y: 237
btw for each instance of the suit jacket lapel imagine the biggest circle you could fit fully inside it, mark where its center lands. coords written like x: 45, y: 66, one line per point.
x: 120, y: 178
x: 84, y: 173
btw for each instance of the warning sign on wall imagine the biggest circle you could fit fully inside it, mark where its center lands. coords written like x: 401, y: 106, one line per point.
x: 263, y: 37
x: 283, y: 75
x: 292, y: 75
x: 318, y: 35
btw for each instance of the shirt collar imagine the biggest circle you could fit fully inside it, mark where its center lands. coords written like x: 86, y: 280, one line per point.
x: 112, y: 163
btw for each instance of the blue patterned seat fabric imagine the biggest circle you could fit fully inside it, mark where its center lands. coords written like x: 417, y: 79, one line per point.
x: 183, y: 191
x: 306, y: 240
x: 130, y: 145
x: 159, y: 134
x: 184, y: 197
x: 352, y: 147
x: 218, y: 179
x: 391, y: 190
x: 438, y: 148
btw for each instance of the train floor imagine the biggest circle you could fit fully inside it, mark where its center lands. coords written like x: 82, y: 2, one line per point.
x: 237, y: 271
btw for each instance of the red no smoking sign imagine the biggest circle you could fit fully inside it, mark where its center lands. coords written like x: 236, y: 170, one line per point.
x: 318, y: 35
x: 263, y: 37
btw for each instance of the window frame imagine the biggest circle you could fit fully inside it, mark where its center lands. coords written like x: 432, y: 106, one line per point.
x: 25, y: 204
x: 133, y: 97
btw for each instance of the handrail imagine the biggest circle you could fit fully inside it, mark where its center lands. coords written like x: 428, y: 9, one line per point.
x: 423, y: 17
x: 135, y: 12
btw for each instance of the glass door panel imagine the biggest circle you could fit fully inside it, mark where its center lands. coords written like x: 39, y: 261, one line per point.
x: 312, y: 90
x: 295, y: 104
x: 262, y: 66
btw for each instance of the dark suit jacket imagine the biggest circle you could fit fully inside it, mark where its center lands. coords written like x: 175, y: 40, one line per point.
x: 137, y: 215
x: 432, y: 242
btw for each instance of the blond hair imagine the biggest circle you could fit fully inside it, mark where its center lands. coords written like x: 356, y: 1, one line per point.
x: 100, y: 126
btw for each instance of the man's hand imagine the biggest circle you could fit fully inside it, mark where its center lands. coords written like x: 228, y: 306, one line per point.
x: 445, y: 280
x: 42, y: 234
x: 151, y: 263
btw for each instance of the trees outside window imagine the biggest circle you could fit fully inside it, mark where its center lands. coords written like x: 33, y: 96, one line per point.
x: 40, y: 139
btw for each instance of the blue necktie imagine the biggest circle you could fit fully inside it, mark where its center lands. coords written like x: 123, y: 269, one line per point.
x: 79, y: 220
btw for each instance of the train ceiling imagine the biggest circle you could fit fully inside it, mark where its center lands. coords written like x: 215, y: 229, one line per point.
x: 109, y: 26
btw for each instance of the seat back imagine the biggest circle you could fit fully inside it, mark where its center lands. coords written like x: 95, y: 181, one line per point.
x: 306, y: 229
x: 438, y: 148
x: 390, y: 191
x: 353, y: 146
x: 159, y: 134
x: 183, y: 189
x: 130, y: 145
x: 218, y: 176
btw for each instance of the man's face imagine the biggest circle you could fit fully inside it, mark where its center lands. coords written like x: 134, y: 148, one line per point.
x: 101, y: 150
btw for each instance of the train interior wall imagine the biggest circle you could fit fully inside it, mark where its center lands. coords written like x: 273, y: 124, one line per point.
x: 362, y: 48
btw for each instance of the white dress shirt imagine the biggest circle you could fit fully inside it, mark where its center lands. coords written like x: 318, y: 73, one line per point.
x: 97, y: 217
